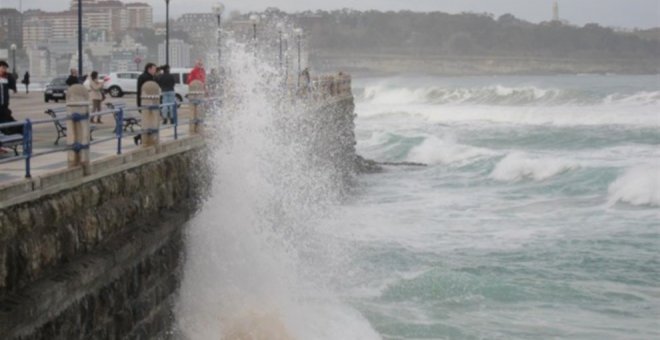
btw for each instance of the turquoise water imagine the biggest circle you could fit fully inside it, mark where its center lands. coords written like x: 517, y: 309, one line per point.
x: 538, y: 215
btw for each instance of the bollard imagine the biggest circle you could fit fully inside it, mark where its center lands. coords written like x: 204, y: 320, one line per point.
x: 78, y: 136
x: 195, y: 94
x: 150, y: 115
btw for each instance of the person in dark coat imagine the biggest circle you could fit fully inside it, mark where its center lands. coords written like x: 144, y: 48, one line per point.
x: 7, y: 82
x: 167, y: 82
x: 26, y: 82
x: 148, y: 75
x: 73, y: 78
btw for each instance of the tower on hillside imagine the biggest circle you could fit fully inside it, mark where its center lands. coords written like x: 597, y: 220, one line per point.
x: 555, y: 11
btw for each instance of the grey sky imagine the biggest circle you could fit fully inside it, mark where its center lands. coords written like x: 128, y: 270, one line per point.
x: 619, y: 13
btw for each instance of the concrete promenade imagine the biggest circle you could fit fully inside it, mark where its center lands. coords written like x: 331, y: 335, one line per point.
x: 32, y: 106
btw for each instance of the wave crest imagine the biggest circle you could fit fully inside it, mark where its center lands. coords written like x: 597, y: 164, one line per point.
x: 434, y: 150
x: 637, y: 186
x: 503, y: 95
x: 518, y: 166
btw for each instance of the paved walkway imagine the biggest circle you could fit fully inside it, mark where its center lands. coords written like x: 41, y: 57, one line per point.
x: 32, y: 106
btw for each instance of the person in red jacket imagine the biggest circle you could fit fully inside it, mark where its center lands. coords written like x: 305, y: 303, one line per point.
x: 197, y: 73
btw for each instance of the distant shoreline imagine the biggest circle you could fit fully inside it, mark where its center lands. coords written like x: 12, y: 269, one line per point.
x: 392, y: 64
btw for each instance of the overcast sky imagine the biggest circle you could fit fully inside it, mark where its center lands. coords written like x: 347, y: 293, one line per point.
x: 618, y: 13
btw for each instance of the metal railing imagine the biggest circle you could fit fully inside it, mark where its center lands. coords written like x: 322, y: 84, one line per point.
x: 119, y: 113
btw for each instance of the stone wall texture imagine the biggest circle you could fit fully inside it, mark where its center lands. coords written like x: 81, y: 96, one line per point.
x: 99, y: 260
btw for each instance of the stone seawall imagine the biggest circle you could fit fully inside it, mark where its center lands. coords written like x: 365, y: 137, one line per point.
x: 99, y: 256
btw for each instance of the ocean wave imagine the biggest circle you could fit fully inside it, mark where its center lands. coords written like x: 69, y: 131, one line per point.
x: 434, y: 150
x: 637, y: 186
x: 519, y: 166
x: 503, y: 95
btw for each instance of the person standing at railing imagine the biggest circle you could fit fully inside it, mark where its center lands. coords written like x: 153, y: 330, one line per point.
x: 7, y: 82
x: 148, y: 75
x: 197, y: 73
x: 95, y: 94
x: 166, y: 82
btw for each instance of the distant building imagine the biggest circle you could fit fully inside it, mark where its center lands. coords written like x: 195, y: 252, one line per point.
x: 555, y: 11
x: 11, y: 28
x: 198, y: 26
x: 35, y: 32
x: 179, y: 53
x: 140, y: 15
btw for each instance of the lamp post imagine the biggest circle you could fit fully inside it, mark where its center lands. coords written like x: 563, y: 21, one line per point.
x: 167, y: 32
x: 298, y: 32
x: 80, y: 40
x: 13, y: 57
x: 218, y: 9
x: 254, y: 19
x: 280, y: 26
x: 137, y: 58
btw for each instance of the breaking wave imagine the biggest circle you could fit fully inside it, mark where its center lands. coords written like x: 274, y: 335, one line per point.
x: 434, y: 150
x: 519, y: 166
x: 637, y: 186
x: 503, y: 95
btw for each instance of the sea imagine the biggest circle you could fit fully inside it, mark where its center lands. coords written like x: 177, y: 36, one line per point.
x: 521, y: 208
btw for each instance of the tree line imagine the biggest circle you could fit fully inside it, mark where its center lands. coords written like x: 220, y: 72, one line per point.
x: 466, y: 34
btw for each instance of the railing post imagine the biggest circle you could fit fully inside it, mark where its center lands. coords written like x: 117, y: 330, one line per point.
x: 150, y: 115
x: 175, y: 119
x: 195, y: 94
x: 78, y: 134
x: 119, y: 123
x: 27, y: 146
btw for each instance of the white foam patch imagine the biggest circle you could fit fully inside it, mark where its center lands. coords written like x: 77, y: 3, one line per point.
x: 637, y: 186
x: 434, y: 150
x: 519, y: 166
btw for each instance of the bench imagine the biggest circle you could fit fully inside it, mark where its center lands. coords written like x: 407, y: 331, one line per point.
x: 129, y: 121
x: 11, y: 141
x: 57, y: 115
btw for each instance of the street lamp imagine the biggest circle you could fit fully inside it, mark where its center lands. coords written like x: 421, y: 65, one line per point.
x: 13, y: 56
x: 280, y: 26
x: 218, y: 9
x: 167, y: 32
x: 298, y: 32
x: 80, y: 41
x: 254, y: 19
x: 137, y: 58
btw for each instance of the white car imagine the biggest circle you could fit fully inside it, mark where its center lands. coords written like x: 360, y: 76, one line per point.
x: 181, y: 79
x: 117, y: 84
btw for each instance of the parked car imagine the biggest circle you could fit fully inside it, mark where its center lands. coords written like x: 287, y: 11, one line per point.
x: 181, y: 79
x: 56, y: 89
x: 117, y: 84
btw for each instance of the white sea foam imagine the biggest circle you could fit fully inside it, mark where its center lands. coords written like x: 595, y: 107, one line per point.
x: 502, y: 95
x: 434, y: 150
x: 519, y: 166
x: 244, y: 276
x: 637, y: 186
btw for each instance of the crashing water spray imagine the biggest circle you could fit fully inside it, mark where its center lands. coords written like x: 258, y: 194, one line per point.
x: 243, y: 276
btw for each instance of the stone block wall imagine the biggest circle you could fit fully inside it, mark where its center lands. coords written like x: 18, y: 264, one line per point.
x: 101, y: 258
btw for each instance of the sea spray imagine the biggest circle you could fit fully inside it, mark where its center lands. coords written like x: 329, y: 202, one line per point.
x: 639, y: 185
x: 252, y: 257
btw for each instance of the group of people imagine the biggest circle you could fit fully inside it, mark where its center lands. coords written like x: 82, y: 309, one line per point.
x: 161, y: 75
x: 166, y: 81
